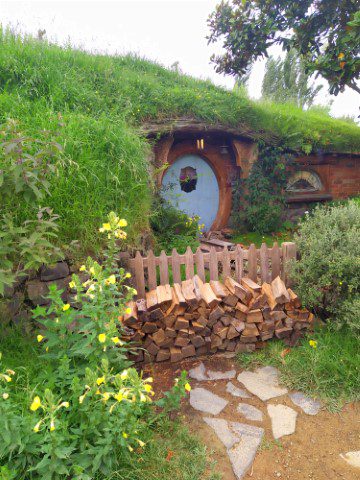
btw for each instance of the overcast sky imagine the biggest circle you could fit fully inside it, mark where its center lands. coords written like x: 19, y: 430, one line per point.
x: 163, y: 30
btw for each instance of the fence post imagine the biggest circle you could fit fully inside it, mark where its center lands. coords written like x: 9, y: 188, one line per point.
x: 139, y: 274
x: 288, y: 254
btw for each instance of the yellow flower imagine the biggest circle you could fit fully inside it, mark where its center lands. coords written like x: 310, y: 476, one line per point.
x: 82, y: 268
x: 130, y: 448
x: 149, y: 380
x: 111, y: 280
x: 187, y: 387
x: 10, y: 372
x: 128, y: 275
x: 100, y: 380
x: 142, y: 397
x: 116, y: 340
x: 72, y: 284
x: 81, y: 398
x: 35, y: 404
x: 52, y: 426
x: 7, y: 378
x: 341, y: 56
x: 122, y: 222
x: 102, y: 337
x: 46, y: 349
x: 101, y: 230
x: 66, y: 307
x: 313, y: 343
x: 106, y: 396
x: 5, y: 396
x: 106, y: 227
x: 118, y: 397
x: 128, y: 311
x: 141, y: 443
x: 64, y: 404
x: 92, y: 270
x: 37, y: 427
x: 125, y: 435
x: 147, y: 388
x: 124, y: 375
x: 39, y: 338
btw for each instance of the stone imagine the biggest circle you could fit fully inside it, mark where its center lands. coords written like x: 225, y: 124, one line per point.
x: 250, y: 412
x: 283, y: 420
x: 59, y: 270
x: 263, y: 383
x: 198, y: 373
x: 206, y: 401
x: 213, y: 375
x: 308, y: 405
x: 241, y: 442
x: 352, y: 458
x: 235, y: 391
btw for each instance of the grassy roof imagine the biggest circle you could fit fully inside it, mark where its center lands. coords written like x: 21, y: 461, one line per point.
x: 103, y: 100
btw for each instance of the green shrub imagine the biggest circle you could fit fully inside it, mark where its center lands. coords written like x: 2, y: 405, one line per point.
x: 327, y: 275
x: 173, y: 228
x: 89, y: 408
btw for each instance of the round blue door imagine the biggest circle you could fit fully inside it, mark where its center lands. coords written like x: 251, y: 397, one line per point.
x: 191, y: 186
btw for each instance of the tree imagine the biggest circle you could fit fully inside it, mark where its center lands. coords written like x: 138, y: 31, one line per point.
x: 286, y: 81
x: 326, y: 33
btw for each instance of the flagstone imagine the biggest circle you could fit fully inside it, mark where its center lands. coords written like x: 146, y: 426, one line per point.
x: 263, y: 383
x: 250, y: 412
x: 206, y: 401
x: 307, y: 404
x: 236, y: 392
x: 283, y: 420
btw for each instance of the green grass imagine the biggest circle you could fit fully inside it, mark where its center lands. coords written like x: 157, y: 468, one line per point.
x: 190, y: 458
x: 330, y: 372
x: 103, y: 101
x: 248, y: 238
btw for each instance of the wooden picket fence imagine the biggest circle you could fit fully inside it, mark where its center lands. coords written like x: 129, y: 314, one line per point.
x: 261, y: 265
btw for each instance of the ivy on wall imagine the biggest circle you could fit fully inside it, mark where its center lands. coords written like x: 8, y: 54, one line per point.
x: 259, y: 200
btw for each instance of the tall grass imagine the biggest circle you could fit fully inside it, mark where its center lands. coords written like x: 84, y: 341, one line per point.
x: 104, y: 100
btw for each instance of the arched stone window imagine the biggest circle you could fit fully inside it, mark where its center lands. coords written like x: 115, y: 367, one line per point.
x: 304, y: 181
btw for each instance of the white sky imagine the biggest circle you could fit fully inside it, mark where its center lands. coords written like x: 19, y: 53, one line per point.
x: 163, y: 30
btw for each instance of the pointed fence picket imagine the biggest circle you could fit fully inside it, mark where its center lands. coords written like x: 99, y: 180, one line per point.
x: 261, y: 265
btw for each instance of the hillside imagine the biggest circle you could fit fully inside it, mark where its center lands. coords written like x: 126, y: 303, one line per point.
x: 104, y: 100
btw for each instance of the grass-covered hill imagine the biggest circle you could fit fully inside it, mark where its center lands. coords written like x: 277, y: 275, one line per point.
x: 103, y: 100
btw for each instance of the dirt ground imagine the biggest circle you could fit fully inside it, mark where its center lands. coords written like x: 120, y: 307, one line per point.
x: 311, y: 453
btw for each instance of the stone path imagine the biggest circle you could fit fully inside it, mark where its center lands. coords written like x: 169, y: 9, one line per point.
x: 242, y: 440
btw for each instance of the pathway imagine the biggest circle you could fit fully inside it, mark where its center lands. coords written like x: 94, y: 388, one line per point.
x: 238, y: 406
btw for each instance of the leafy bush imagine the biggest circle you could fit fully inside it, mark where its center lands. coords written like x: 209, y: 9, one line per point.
x: 327, y: 275
x: 260, y: 201
x: 90, y: 408
x: 173, y: 228
x: 27, y: 165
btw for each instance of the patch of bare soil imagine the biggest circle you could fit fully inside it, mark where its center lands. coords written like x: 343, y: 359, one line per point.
x: 311, y: 453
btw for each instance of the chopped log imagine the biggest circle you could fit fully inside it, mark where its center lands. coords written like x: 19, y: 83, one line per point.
x: 131, y: 317
x: 240, y: 315
x: 259, y: 302
x: 188, y: 351
x: 181, y: 341
x: 156, y: 314
x: 225, y: 320
x: 163, y: 354
x: 141, y: 306
x: 248, y: 339
x: 197, y: 327
x: 239, y: 325
x: 149, y: 327
x: 223, y: 333
x: 250, y: 330
x: 245, y: 348
x: 215, y: 315
x: 215, y: 341
x: 187, y: 288
x: 170, y: 332
x: 266, y: 335
x: 254, y: 316
x: 197, y: 341
x: 294, y: 299
x: 267, y: 290
x: 232, y: 332
x: 251, y: 286
x: 160, y: 338
x: 279, y: 290
x: 181, y: 323
x: 175, y: 354
x: 169, y: 321
x: 238, y: 290
x: 201, y: 351
x: 184, y: 332
x: 202, y: 321
x: 164, y: 295
x: 179, y: 295
x: 208, y: 295
x: 151, y: 300
x: 219, y: 289
x: 197, y: 286
x: 278, y: 315
x: 283, y: 332
x: 267, y: 326
x: 153, y: 348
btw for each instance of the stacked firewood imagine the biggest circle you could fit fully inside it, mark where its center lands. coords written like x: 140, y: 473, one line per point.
x: 196, y: 318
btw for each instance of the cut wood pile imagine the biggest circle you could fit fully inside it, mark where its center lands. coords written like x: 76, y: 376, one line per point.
x: 196, y: 318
